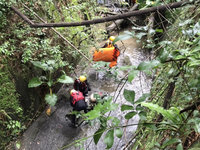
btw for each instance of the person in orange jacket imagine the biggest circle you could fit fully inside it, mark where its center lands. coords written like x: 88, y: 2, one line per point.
x: 108, y: 53
x: 108, y: 44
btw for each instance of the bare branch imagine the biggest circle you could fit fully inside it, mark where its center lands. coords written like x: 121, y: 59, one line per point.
x: 105, y: 19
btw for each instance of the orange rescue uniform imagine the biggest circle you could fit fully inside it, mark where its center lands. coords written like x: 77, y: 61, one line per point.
x: 108, y: 55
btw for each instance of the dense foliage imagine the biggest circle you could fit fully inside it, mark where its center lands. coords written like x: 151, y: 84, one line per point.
x: 24, y: 51
x: 10, y: 109
x: 175, y: 87
x: 172, y: 118
x: 166, y: 119
x: 40, y: 58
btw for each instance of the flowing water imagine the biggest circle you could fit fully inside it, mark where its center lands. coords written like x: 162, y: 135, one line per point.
x: 54, y: 132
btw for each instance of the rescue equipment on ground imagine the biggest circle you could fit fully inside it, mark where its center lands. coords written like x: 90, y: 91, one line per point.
x: 48, y: 111
x: 107, y: 55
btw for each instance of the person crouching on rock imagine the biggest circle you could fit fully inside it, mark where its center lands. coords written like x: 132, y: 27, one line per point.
x: 77, y: 101
x: 82, y: 85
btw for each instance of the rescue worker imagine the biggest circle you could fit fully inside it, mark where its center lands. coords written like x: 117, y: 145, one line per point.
x: 108, y: 53
x: 108, y: 44
x: 77, y: 101
x: 82, y: 85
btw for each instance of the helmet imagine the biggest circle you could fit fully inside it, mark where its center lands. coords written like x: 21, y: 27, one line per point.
x: 112, y: 38
x: 72, y: 91
x: 82, y: 78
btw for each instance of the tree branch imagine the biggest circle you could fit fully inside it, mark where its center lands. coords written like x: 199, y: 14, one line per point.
x: 192, y: 107
x: 105, y: 19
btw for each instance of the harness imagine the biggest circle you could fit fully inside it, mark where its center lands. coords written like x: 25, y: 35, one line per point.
x: 109, y: 44
x: 77, y: 96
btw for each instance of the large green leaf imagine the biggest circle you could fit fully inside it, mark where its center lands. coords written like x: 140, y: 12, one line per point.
x: 98, y: 134
x: 126, y: 107
x: 34, y: 82
x: 148, y: 65
x: 41, y: 65
x: 139, y: 108
x: 180, y: 146
x: 132, y: 75
x: 115, y: 121
x: 50, y: 83
x: 169, y: 114
x: 197, y: 125
x: 51, y: 62
x: 142, y: 115
x: 170, y: 142
x: 129, y: 95
x: 93, y: 114
x: 142, y: 98
x: 118, y: 132
x: 108, y: 106
x: 51, y: 99
x: 65, y: 79
x: 109, y: 138
x: 163, y: 56
x: 130, y: 115
x: 144, y: 66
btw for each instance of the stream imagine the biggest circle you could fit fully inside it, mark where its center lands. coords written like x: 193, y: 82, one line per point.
x: 54, y: 132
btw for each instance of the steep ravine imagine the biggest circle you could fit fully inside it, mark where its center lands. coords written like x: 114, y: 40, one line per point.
x: 54, y: 132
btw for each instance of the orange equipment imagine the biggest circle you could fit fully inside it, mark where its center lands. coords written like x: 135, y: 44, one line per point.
x: 107, y: 55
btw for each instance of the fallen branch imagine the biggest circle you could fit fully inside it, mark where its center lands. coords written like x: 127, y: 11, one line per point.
x: 105, y: 19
